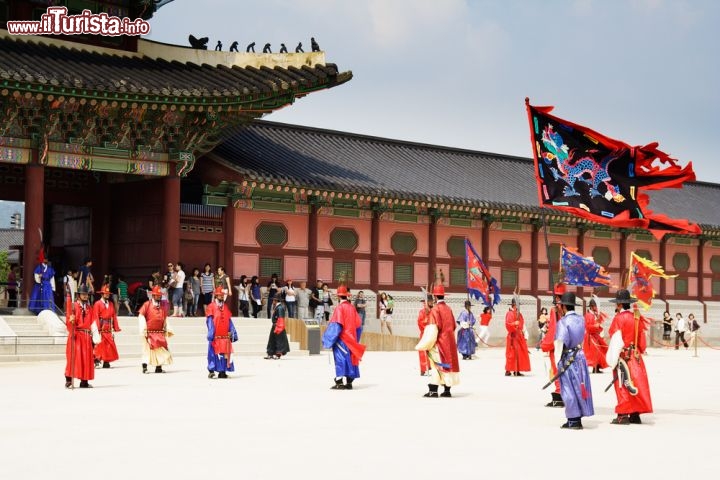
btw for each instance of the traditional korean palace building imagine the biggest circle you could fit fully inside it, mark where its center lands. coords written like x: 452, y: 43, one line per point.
x: 146, y: 152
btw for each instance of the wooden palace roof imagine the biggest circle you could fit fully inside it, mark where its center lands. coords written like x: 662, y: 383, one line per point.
x: 458, y: 180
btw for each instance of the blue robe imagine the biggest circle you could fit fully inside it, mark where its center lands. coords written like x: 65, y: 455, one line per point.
x: 218, y: 362
x: 466, y: 342
x: 41, y: 297
x: 575, y: 387
x: 341, y: 353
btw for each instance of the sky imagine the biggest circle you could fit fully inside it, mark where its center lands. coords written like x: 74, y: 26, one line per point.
x: 456, y: 72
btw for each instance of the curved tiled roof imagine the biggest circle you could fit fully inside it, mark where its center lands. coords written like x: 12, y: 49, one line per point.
x: 55, y: 67
x: 326, y: 159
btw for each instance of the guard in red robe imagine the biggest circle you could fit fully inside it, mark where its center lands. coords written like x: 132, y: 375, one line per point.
x: 627, y: 346
x: 438, y: 341
x: 517, y: 358
x: 154, y: 330
x: 106, y: 350
x: 594, y: 345
x: 548, y: 346
x: 221, y: 335
x: 82, y: 329
x: 422, y: 321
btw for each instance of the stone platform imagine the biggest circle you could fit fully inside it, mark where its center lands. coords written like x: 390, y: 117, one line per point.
x: 278, y: 418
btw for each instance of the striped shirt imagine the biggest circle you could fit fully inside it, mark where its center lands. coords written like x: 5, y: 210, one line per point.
x: 207, y: 282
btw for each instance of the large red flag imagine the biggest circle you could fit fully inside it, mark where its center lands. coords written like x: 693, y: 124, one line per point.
x: 600, y: 178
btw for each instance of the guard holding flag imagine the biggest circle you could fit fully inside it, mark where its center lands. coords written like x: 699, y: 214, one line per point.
x: 547, y: 345
x: 627, y: 345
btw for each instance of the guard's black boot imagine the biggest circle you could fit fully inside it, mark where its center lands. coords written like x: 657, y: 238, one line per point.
x: 556, y: 401
x: 106, y: 364
x: 144, y: 366
x: 85, y: 384
x: 348, y: 383
x: 635, y: 418
x: 573, y: 424
x: 211, y: 374
x: 433, y: 391
x: 159, y: 369
x: 338, y: 384
x: 68, y: 382
x: 222, y: 375
x: 446, y: 391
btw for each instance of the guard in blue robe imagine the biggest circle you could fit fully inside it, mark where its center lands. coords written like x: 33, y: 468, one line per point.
x: 466, y: 342
x: 343, y: 335
x: 575, y: 387
x: 43, y: 290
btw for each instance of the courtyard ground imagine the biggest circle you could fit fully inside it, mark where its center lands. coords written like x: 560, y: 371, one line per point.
x: 276, y: 419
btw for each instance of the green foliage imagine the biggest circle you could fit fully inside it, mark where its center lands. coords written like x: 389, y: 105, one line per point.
x: 4, y: 266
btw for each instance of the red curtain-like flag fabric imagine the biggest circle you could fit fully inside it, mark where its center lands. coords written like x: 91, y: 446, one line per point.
x: 600, y: 178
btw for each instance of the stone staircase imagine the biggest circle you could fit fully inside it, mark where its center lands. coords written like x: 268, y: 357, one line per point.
x: 32, y: 341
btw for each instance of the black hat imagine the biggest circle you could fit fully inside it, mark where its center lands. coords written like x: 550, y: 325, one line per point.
x: 83, y: 289
x: 623, y: 297
x: 568, y: 298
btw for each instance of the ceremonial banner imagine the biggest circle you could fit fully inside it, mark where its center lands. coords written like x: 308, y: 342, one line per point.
x: 641, y: 270
x: 601, y: 179
x: 582, y: 271
x: 480, y: 284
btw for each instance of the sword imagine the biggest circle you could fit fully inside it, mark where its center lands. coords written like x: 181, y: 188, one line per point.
x: 615, y: 377
x: 570, y: 360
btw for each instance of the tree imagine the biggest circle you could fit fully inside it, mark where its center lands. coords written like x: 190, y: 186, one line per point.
x: 4, y: 266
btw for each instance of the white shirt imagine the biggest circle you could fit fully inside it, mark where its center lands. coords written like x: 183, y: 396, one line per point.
x: 179, y: 279
x: 681, y: 326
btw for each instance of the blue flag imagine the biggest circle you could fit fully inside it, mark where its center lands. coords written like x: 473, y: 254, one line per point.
x: 582, y: 271
x: 480, y: 284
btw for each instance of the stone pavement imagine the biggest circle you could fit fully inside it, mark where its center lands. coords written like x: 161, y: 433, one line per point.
x: 275, y: 419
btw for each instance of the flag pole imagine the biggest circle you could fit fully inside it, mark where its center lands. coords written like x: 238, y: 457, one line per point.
x: 547, y: 251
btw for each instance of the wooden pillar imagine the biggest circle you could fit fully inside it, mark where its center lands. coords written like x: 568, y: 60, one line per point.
x: 534, y: 258
x: 432, y: 249
x: 229, y: 251
x: 375, y: 251
x: 171, y: 220
x: 623, y: 253
x: 99, y: 247
x: 663, y: 261
x: 312, y: 244
x: 34, y: 221
x: 485, y: 242
x: 701, y: 270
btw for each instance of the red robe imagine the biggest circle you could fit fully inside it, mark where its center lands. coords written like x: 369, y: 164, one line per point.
x: 80, y: 335
x: 548, y: 345
x: 346, y: 315
x: 442, y: 316
x: 517, y: 358
x: 422, y: 321
x: 624, y: 322
x: 222, y: 343
x: 107, y: 323
x: 594, y: 345
x: 155, y: 318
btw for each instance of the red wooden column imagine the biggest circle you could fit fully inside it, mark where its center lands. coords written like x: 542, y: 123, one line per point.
x: 100, y: 237
x: 375, y: 250
x: 701, y: 270
x: 432, y: 249
x: 34, y: 221
x: 623, y: 252
x: 663, y: 261
x: 171, y: 220
x: 229, y: 253
x: 312, y: 244
x: 485, y: 242
x: 534, y: 259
